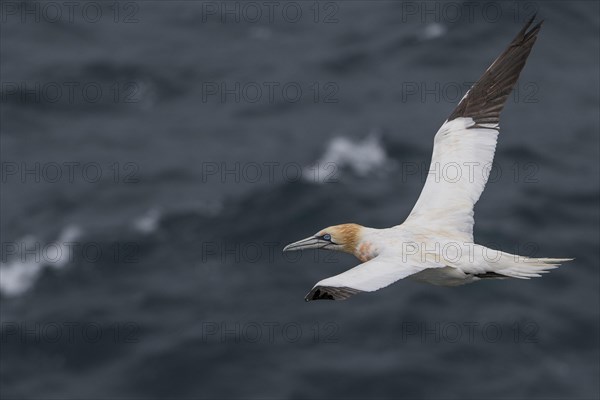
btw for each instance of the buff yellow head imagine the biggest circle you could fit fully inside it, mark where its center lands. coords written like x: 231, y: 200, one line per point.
x: 343, y: 237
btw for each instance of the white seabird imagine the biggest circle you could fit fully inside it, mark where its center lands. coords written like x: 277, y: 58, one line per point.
x: 435, y: 244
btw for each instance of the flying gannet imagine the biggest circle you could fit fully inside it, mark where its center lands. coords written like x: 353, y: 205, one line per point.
x: 435, y: 244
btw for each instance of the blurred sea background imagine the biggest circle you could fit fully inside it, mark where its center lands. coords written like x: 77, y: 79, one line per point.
x: 157, y: 156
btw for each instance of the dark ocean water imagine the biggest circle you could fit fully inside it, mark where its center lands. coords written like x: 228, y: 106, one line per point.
x: 156, y: 157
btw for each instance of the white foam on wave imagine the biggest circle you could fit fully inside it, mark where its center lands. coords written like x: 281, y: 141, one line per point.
x: 148, y: 222
x: 433, y: 30
x: 29, y: 257
x: 363, y: 157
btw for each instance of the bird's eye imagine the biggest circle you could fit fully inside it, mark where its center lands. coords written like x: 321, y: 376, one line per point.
x: 327, y: 236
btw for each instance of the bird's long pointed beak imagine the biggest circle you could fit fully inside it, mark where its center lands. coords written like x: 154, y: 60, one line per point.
x: 308, y: 243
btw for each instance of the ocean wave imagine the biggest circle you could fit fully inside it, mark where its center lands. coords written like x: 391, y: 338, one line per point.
x: 20, y: 273
x: 432, y: 31
x: 148, y: 222
x: 103, y: 85
x: 362, y: 157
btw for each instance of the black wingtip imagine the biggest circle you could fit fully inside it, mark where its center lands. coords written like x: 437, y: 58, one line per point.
x: 487, y: 97
x: 525, y: 28
x: 527, y: 32
x: 536, y: 28
x: 530, y: 21
x: 331, y: 293
x: 318, y: 294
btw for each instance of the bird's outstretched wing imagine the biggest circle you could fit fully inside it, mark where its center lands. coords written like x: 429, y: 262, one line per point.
x: 464, y: 146
x: 370, y: 276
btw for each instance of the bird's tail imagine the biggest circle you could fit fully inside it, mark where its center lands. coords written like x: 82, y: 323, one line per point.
x: 522, y: 267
